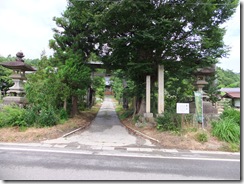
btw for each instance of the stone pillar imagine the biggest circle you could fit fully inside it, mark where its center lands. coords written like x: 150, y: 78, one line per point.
x: 160, y: 89
x: 148, y: 92
x: 148, y: 114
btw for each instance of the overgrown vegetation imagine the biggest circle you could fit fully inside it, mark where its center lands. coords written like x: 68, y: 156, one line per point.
x: 37, y: 116
x: 12, y: 116
x: 228, y: 127
x: 170, y: 121
x: 232, y: 114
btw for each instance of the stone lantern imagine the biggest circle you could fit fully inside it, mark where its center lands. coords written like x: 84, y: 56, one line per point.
x: 16, y: 93
x: 201, y: 75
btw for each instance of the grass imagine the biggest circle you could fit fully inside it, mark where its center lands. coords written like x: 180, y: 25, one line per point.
x: 202, y: 137
x: 226, y: 130
x: 33, y: 134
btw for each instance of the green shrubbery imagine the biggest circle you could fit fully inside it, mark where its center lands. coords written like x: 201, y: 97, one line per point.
x: 126, y: 114
x: 232, y: 114
x: 12, y: 116
x: 226, y: 130
x: 228, y: 127
x: 170, y: 121
x: 36, y: 116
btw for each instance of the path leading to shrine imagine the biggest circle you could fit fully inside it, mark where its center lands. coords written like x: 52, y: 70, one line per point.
x: 105, y: 130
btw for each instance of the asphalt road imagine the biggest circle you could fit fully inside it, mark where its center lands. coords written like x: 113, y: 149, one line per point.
x: 35, y: 163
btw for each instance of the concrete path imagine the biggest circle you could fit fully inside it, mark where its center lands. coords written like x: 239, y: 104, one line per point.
x: 105, y: 130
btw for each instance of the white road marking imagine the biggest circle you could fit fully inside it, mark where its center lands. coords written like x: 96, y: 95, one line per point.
x: 59, y: 146
x: 127, y: 154
x: 215, y: 152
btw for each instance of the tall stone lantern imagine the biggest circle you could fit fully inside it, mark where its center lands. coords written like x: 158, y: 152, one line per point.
x: 16, y: 93
x: 201, y: 75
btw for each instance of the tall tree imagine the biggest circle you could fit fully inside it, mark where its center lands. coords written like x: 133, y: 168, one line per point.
x: 137, y: 36
x: 74, y: 42
x: 184, y: 35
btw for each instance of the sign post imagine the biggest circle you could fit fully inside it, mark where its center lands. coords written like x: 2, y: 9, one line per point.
x: 182, y: 108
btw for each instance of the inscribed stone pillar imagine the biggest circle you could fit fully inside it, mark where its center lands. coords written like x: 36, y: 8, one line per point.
x: 160, y: 89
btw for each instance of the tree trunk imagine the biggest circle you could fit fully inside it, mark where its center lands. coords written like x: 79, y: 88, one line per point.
x: 74, y: 105
x: 65, y: 104
x: 140, y: 106
x: 125, y: 98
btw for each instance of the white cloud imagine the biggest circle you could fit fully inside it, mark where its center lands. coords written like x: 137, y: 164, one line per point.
x: 232, y: 39
x: 27, y: 25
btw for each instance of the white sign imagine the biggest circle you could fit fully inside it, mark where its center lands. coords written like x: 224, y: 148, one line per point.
x: 182, y: 108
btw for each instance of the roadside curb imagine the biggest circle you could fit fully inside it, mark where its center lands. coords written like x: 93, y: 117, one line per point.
x: 139, y: 133
x: 76, y: 130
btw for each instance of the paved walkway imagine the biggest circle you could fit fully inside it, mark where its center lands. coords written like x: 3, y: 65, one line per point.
x: 105, y: 130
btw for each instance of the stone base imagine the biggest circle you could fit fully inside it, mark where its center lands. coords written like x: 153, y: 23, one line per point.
x: 148, y: 115
x: 207, y: 108
x: 160, y: 115
x: 148, y: 121
x: 14, y: 100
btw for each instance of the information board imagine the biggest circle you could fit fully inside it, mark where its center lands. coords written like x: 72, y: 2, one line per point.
x: 182, y: 108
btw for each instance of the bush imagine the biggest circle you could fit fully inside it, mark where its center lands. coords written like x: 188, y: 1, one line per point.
x: 202, y: 137
x: 12, y: 116
x: 226, y: 130
x: 63, y: 114
x: 31, y: 115
x: 47, y: 117
x: 41, y: 116
x: 126, y: 114
x: 170, y: 121
x: 232, y: 114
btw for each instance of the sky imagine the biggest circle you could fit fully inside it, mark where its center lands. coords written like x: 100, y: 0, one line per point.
x: 26, y: 25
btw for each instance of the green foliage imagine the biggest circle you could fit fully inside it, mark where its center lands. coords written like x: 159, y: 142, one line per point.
x: 202, y: 137
x: 99, y: 84
x: 228, y: 127
x: 63, y: 114
x: 170, y: 121
x: 39, y: 116
x: 123, y: 87
x: 5, y: 80
x: 227, y: 78
x: 44, y: 88
x: 212, y: 89
x: 47, y: 117
x: 226, y: 130
x: 12, y: 116
x: 126, y: 114
x: 231, y: 114
x: 117, y: 87
x: 31, y: 115
x: 155, y: 33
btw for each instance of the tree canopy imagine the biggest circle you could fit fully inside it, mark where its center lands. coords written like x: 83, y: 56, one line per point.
x: 137, y: 36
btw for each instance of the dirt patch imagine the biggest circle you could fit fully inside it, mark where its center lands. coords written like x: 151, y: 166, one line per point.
x: 178, y: 140
x: 15, y: 134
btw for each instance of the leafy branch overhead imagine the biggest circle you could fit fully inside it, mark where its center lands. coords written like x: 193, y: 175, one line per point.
x: 137, y: 36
